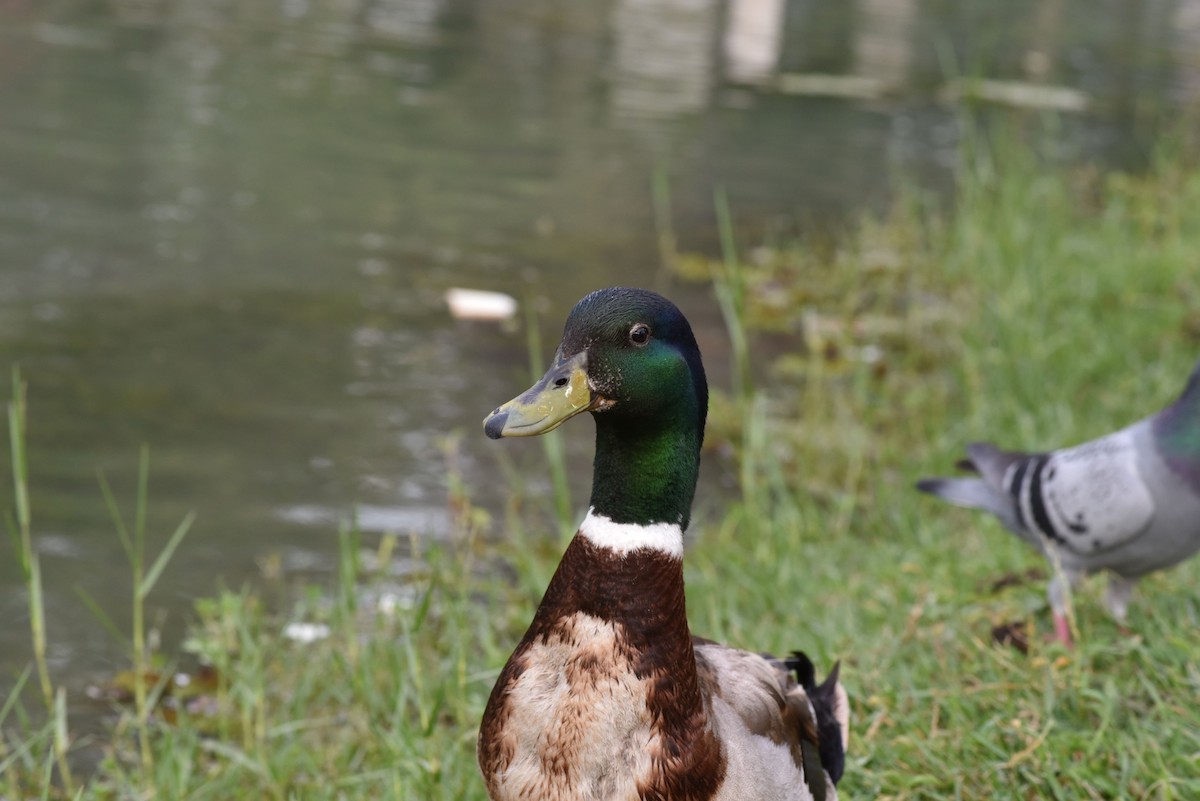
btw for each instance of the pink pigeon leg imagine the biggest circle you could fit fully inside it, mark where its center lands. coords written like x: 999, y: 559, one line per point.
x: 1062, y: 629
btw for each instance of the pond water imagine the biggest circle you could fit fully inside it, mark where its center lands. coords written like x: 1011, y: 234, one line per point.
x: 226, y: 228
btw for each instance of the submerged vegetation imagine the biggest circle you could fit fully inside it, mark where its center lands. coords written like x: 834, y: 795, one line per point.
x: 1049, y: 307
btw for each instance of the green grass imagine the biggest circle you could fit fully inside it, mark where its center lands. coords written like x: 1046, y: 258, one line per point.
x: 1049, y: 307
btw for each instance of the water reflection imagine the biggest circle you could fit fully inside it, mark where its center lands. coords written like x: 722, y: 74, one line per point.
x: 226, y: 229
x: 1185, y: 52
x: 884, y: 42
x: 662, y: 58
x: 753, y: 35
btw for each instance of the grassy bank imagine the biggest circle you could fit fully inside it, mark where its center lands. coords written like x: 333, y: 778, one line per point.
x: 1046, y: 309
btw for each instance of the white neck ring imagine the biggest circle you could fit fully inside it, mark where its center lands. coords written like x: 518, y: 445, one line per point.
x: 624, y: 538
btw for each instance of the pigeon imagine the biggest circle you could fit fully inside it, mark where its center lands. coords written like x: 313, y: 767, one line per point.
x: 1128, y: 502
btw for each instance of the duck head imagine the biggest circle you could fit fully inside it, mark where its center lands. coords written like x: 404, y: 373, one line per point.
x: 629, y: 357
x: 627, y: 353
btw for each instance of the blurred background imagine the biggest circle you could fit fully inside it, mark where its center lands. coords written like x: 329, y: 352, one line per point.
x: 227, y: 228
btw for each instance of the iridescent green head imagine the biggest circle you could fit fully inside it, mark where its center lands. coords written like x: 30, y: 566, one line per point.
x: 628, y: 353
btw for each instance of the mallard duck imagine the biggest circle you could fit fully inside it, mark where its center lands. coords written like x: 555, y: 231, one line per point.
x: 608, y: 695
x: 1128, y: 502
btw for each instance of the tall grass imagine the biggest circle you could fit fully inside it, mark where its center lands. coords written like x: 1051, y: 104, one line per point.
x: 54, y: 699
x: 1047, y: 308
x: 146, y: 689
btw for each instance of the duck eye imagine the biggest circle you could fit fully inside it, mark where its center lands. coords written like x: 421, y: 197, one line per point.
x: 639, y: 334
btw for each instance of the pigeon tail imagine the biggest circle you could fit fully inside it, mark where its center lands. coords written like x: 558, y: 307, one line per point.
x: 973, y: 493
x: 991, y: 462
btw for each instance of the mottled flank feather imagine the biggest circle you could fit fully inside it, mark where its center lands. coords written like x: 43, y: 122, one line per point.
x: 1128, y: 502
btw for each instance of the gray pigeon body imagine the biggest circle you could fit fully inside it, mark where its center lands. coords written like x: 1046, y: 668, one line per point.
x: 1128, y: 502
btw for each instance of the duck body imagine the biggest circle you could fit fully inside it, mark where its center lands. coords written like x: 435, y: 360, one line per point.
x: 608, y: 695
x: 1128, y: 502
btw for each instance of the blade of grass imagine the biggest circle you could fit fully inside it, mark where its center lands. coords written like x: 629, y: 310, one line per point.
x: 37, y: 624
x: 114, y: 512
x: 156, y: 569
x: 668, y: 250
x: 14, y: 694
x: 139, y: 520
x: 728, y: 284
x: 33, y: 574
x: 103, y: 617
x: 18, y: 544
x: 16, y: 439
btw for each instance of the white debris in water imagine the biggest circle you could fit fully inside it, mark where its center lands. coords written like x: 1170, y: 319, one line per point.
x: 869, y: 354
x: 306, y: 632
x: 1018, y: 94
x: 851, y: 87
x: 389, y: 603
x: 478, y: 304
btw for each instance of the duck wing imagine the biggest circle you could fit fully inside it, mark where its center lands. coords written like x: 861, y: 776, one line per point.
x: 766, y: 721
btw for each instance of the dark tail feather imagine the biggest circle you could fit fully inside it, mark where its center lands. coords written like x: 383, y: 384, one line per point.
x: 826, y: 700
